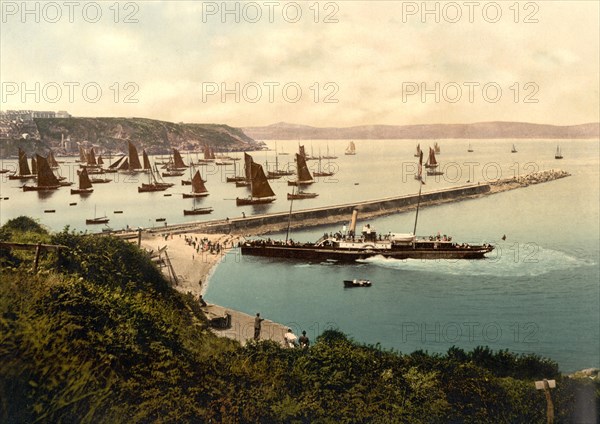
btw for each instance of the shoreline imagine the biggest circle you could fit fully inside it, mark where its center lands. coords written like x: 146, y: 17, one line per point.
x: 192, y: 265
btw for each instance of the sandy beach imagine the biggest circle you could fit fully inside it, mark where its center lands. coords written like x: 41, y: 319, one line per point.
x: 193, y: 266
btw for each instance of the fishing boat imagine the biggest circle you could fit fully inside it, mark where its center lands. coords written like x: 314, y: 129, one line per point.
x: 172, y: 173
x: 558, y: 154
x: 97, y: 220
x: 176, y: 164
x: 46, y: 180
x: 198, y: 211
x: 351, y: 149
x: 52, y: 161
x: 328, y: 156
x: 261, y: 191
x: 23, y: 172
x: 303, y: 174
x: 436, y: 148
x: 432, y: 164
x: 85, y: 185
x: 153, y: 184
x: 96, y: 180
x: 357, y: 283
x: 133, y: 164
x: 198, y: 187
x: 114, y: 167
x: 278, y: 173
x: 470, y: 149
x: 322, y: 173
x: 418, y: 153
x: 209, y: 155
x: 514, y: 149
x: 301, y: 195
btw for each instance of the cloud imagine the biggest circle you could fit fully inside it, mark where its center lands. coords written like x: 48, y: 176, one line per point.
x: 350, y: 72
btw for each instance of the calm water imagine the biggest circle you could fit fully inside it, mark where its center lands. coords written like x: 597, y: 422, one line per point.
x: 538, y: 292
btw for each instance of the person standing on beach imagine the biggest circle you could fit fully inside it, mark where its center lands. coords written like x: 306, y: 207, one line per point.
x: 257, y: 324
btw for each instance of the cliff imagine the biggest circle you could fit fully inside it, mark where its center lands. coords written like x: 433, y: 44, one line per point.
x: 152, y: 135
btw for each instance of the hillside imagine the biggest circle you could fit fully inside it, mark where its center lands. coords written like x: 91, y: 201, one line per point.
x: 155, y: 136
x: 98, y: 335
x: 482, y: 130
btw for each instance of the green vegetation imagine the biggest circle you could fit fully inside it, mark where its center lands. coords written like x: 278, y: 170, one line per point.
x: 153, y: 135
x: 97, y: 335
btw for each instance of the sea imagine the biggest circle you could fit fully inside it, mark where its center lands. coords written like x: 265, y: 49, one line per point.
x: 537, y: 292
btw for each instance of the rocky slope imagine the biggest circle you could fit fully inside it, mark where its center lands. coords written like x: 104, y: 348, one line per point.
x: 155, y: 136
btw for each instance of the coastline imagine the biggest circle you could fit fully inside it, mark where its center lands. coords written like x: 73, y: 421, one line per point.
x: 194, y: 266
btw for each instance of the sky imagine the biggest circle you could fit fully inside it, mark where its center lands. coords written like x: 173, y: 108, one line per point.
x: 327, y: 64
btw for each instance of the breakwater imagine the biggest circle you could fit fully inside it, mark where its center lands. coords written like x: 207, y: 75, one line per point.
x: 336, y: 214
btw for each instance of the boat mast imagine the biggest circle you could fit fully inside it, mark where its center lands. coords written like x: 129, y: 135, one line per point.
x: 287, y: 234
x: 417, y: 214
x: 421, y: 182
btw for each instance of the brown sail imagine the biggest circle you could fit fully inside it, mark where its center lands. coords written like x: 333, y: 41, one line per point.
x: 147, y: 165
x: 115, y: 164
x: 100, y: 161
x: 85, y: 184
x: 82, y: 157
x: 91, y: 157
x: 33, y: 165
x: 52, y: 161
x: 178, y: 160
x: 248, y: 161
x: 431, y: 161
x: 46, y: 179
x: 304, y: 177
x: 260, y: 188
x: 23, y: 165
x: 301, y: 151
x: 260, y: 184
x: 198, y: 187
x: 124, y: 166
x: 134, y: 159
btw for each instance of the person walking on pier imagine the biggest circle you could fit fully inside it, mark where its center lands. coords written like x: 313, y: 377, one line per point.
x: 257, y: 325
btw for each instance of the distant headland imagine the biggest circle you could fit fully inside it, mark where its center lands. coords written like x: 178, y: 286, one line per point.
x: 481, y: 130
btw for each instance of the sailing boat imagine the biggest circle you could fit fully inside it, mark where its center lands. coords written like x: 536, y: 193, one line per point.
x: 432, y: 163
x: 146, y: 160
x: 175, y: 166
x: 351, y: 149
x: 514, y: 149
x: 24, y: 172
x: 85, y: 184
x: 198, y: 187
x: 304, y: 177
x: 328, y: 155
x: 113, y: 167
x: 558, y: 154
x: 261, y: 191
x: 97, y: 220
x: 46, y: 180
x: 418, y: 154
x: 154, y: 184
x: 278, y: 173
x: 197, y: 211
x: 301, y: 195
x: 52, y: 160
x: 436, y: 148
x: 470, y: 149
x: 322, y: 173
x: 134, y: 159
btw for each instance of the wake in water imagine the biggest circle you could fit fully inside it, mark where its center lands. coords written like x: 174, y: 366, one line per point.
x: 505, y: 261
